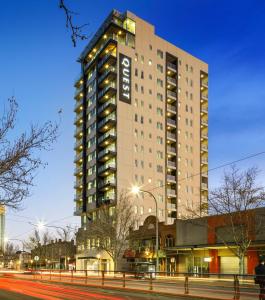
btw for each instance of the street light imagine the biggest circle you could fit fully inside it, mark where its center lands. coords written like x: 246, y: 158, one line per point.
x: 137, y: 190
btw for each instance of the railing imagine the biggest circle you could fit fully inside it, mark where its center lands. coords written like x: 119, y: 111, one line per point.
x: 106, y: 119
x: 204, y: 161
x: 171, y: 107
x: 204, y: 148
x: 171, y: 178
x: 171, y: 192
x: 110, y: 133
x: 171, y: 122
x: 103, y: 106
x: 205, y: 84
x: 204, y: 96
x: 109, y: 70
x: 106, y: 181
x: 204, y: 186
x: 170, y: 285
x: 171, y: 164
x: 78, y: 143
x: 171, y: 94
x: 171, y: 80
x: 204, y: 122
x: 106, y: 151
x: 172, y: 66
x: 106, y: 166
x: 102, y: 92
x: 171, y: 149
x: 171, y: 206
x: 171, y: 135
x: 204, y: 136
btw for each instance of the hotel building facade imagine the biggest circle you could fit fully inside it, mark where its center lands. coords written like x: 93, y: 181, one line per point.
x: 141, y: 109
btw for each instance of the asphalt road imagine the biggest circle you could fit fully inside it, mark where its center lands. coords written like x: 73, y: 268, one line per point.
x: 17, y: 289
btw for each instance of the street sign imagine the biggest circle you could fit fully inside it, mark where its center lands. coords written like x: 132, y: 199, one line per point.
x: 36, y: 258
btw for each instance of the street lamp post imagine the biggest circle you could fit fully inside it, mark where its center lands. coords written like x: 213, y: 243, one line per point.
x: 137, y: 190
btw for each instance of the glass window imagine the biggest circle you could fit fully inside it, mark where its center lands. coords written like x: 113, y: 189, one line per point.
x: 129, y: 25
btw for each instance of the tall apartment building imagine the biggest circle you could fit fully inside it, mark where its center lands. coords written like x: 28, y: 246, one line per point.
x: 141, y: 119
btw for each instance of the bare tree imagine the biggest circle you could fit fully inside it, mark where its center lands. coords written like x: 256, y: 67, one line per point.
x: 76, y: 31
x: 18, y: 156
x: 236, y: 202
x: 66, y: 233
x: 111, y: 229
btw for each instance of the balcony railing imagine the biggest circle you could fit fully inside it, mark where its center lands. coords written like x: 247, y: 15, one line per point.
x: 204, y: 136
x: 171, y: 149
x: 171, y: 136
x: 78, y: 143
x: 105, y: 58
x: 78, y: 211
x: 106, y: 152
x: 171, y: 164
x: 106, y: 119
x: 172, y: 66
x: 78, y: 183
x: 205, y: 84
x: 106, y: 182
x: 108, y: 134
x: 171, y: 94
x: 204, y: 122
x: 171, y: 80
x: 170, y: 220
x: 171, y: 122
x: 204, y: 186
x: 204, y: 148
x: 171, y: 178
x: 204, y: 97
x: 171, y: 108
x: 105, y: 167
x: 107, y: 103
x: 204, y: 161
x: 106, y: 73
x: 171, y: 192
x: 102, y: 92
x: 171, y: 206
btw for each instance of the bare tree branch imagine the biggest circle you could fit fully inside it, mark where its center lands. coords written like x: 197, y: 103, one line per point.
x: 76, y: 31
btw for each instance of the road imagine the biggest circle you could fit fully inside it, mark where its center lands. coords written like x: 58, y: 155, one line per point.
x: 17, y: 289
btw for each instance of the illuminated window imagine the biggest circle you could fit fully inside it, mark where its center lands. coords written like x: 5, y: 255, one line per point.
x: 129, y: 25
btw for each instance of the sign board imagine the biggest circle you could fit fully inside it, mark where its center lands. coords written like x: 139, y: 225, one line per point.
x: 125, y: 74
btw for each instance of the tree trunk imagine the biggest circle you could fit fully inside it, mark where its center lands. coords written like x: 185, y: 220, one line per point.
x: 241, y: 264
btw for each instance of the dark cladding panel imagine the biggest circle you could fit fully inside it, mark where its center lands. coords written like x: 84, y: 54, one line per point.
x: 125, y: 85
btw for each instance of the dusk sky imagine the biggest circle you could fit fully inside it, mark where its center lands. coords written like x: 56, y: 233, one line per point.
x: 38, y: 67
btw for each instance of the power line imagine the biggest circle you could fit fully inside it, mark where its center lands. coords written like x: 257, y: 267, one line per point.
x: 214, y: 168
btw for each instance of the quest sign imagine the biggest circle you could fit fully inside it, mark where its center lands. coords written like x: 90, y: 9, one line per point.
x: 125, y: 65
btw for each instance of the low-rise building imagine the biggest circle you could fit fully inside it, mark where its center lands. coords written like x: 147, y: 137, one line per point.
x: 56, y: 255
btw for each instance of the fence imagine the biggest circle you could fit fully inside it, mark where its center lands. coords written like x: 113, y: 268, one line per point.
x: 211, y: 286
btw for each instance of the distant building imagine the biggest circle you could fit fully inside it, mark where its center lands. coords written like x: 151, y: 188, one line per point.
x: 56, y: 255
x: 141, y: 119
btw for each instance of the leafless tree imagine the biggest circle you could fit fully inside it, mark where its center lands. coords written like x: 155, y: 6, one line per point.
x: 66, y: 233
x: 236, y: 202
x: 110, y: 230
x: 76, y: 31
x: 19, y: 155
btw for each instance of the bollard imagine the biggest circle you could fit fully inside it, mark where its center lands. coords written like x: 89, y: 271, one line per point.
x: 72, y: 275
x: 151, y: 282
x: 186, y: 285
x: 86, y: 276
x: 60, y: 275
x: 102, y: 282
x: 236, y: 288
x: 50, y: 274
x: 40, y: 274
x: 123, y: 279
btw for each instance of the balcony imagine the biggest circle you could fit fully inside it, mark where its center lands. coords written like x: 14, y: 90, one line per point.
x: 171, y: 108
x: 78, y: 184
x: 78, y: 198
x: 79, y: 93
x: 204, y: 186
x: 107, y: 92
x: 204, y: 97
x: 78, y: 117
x: 106, y: 184
x: 171, y: 67
x: 171, y: 80
x: 204, y: 110
x: 78, y: 105
x: 204, y: 173
x: 204, y: 161
x: 106, y: 154
x: 78, y: 80
x: 171, y: 206
x: 110, y: 198
x: 204, y: 122
x: 109, y: 58
x: 78, y: 170
x: 171, y: 123
x: 109, y: 74
x: 78, y: 143
x: 170, y: 220
x: 171, y: 193
x: 78, y: 157
x: 108, y: 107
x: 107, y: 123
x: 171, y: 178
x: 106, y: 169
x: 107, y: 138
x: 204, y: 84
x: 171, y: 136
x: 78, y: 211
x: 171, y: 164
x: 91, y: 206
x: 171, y: 95
x: 171, y: 150
x: 204, y: 136
x: 204, y: 148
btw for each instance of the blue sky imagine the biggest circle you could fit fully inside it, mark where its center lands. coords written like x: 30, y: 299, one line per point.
x: 38, y: 66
